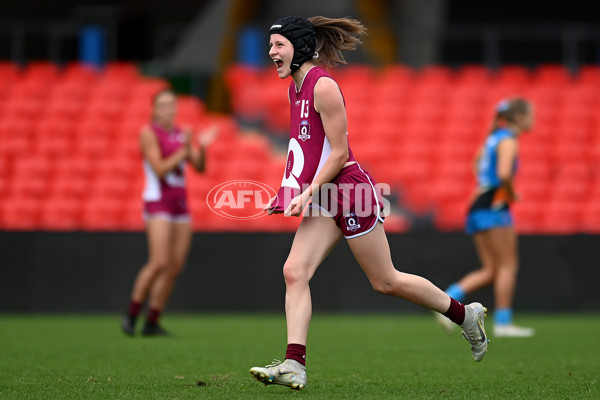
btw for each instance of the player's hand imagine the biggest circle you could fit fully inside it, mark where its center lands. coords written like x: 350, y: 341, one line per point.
x: 267, y: 207
x: 296, y: 205
x: 207, y: 137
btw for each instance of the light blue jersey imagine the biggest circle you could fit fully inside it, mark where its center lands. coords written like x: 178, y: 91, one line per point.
x: 487, y: 168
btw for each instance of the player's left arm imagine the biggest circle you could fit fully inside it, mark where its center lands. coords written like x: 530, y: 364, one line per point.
x: 328, y: 101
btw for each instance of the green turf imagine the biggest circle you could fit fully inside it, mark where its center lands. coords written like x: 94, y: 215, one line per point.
x: 350, y: 357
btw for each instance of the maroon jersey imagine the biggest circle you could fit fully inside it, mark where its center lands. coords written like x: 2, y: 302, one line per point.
x: 308, y: 148
x: 173, y: 184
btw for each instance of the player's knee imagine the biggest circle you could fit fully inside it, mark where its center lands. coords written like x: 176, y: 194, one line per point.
x: 294, y: 273
x: 384, y: 287
x: 176, y: 268
x: 158, y: 266
x: 488, y: 274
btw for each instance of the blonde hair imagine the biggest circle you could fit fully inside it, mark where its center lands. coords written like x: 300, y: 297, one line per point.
x: 508, y: 110
x: 335, y: 35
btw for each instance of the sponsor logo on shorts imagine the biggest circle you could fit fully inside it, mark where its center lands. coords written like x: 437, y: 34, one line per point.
x: 352, y: 222
x: 241, y: 199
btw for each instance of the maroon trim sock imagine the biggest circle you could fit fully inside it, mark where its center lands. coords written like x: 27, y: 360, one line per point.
x: 134, y: 308
x: 296, y: 352
x: 456, y: 312
x: 153, y: 316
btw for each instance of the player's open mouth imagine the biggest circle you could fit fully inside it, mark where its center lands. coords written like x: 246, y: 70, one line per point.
x: 278, y: 64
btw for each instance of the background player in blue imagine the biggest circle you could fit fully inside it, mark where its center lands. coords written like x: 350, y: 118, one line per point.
x: 490, y: 221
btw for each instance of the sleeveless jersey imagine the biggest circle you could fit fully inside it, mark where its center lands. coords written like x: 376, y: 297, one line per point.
x: 173, y: 184
x: 488, y: 182
x: 308, y: 148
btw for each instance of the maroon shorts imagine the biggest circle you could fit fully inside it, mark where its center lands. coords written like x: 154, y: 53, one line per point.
x: 351, y: 200
x: 173, y: 208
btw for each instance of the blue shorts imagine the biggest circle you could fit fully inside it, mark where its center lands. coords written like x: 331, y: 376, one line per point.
x: 483, y: 220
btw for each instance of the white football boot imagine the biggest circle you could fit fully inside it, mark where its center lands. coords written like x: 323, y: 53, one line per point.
x: 474, y: 330
x: 287, y: 373
x: 511, y: 330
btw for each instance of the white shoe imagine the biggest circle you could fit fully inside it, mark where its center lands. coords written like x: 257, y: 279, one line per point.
x: 511, y: 330
x: 444, y: 322
x: 288, y: 373
x: 474, y: 330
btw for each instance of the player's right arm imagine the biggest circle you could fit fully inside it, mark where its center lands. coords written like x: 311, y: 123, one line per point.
x: 151, y: 152
x: 507, y: 153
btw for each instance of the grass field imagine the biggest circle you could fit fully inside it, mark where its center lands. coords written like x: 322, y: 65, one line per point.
x: 350, y: 357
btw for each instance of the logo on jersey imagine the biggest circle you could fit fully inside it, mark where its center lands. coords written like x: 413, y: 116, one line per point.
x: 352, y: 222
x: 304, y: 130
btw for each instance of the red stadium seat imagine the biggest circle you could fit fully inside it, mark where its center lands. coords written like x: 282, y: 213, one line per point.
x: 536, y: 190
x: 581, y: 95
x: 21, y: 213
x: 450, y: 191
x: 190, y: 109
x: 145, y: 89
x: 579, y: 171
x: 588, y: 75
x: 590, y: 217
x: 117, y: 167
x: 32, y: 188
x: 561, y: 217
x: 69, y: 188
x: 513, y: 75
x: 552, y: 74
x: 32, y: 167
x: 435, y: 74
x: 528, y: 215
x: 80, y: 73
x: 106, y: 109
x: 41, y: 71
x: 15, y: 147
x: 93, y: 147
x: 566, y: 190
x: 102, y: 214
x: 121, y: 71
x: 53, y: 147
x: 60, y: 214
x: 73, y: 167
x: 450, y: 216
x: 132, y: 219
x: 110, y: 188
x: 417, y: 196
x: 394, y: 74
x: 24, y: 108
x: 567, y: 153
x: 93, y: 126
x: 9, y: 71
x: 67, y: 109
x: 473, y: 74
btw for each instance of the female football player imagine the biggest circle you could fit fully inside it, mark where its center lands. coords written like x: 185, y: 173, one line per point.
x: 348, y: 205
x: 490, y: 221
x: 165, y: 149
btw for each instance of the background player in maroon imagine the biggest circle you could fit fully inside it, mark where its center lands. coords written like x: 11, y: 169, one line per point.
x: 297, y: 46
x: 165, y: 149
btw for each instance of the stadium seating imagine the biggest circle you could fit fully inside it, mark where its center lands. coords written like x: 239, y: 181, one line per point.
x: 70, y: 159
x: 419, y: 130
